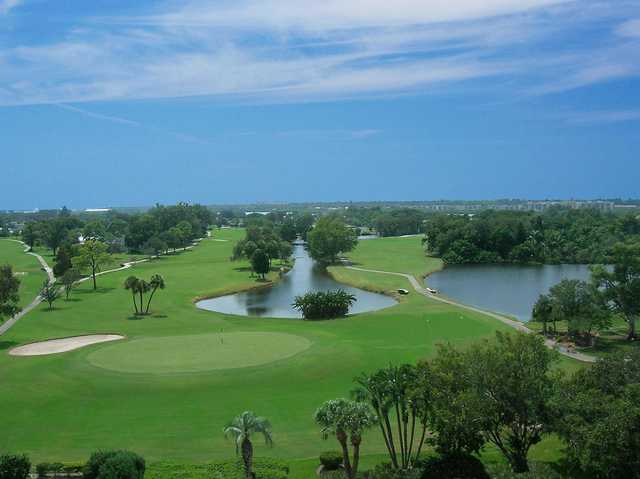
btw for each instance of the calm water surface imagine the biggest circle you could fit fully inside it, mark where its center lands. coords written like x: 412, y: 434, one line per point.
x: 508, y: 289
x: 275, y: 302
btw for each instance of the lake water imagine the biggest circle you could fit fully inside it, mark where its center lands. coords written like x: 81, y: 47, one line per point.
x: 275, y: 301
x: 508, y: 289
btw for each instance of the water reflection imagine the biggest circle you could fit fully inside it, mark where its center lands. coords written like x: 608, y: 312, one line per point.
x: 276, y: 301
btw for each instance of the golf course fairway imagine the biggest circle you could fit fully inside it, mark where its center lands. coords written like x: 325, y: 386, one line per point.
x: 182, y: 373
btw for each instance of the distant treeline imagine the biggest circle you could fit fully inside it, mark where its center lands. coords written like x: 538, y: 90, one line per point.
x: 159, y: 229
x: 556, y: 236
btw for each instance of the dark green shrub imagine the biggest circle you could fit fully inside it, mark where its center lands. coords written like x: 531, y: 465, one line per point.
x: 114, y: 465
x: 324, y: 305
x: 42, y: 469
x: 458, y: 466
x: 537, y: 471
x: 14, y: 466
x: 386, y: 471
x: 265, y: 468
x: 331, y: 460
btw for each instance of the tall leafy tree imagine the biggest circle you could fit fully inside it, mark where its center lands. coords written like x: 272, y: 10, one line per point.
x: 50, y: 292
x: 92, y: 255
x: 242, y: 428
x: 621, y: 285
x: 55, y: 233
x: 512, y: 383
x: 63, y: 259
x: 330, y: 237
x: 30, y: 234
x: 580, y: 305
x: 543, y: 313
x: 456, y: 411
x: 69, y: 280
x: 597, y: 412
x: 9, y: 297
x: 260, y: 262
x: 347, y: 420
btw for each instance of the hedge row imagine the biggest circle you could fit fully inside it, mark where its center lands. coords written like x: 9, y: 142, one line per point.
x: 265, y: 468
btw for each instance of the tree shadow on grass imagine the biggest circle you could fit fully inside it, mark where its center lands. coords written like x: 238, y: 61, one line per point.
x: 242, y: 269
x: 72, y: 300
x: 135, y: 317
x: 92, y: 291
x: 7, y: 345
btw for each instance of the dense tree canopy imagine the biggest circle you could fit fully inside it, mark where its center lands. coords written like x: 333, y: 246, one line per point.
x: 556, y: 236
x: 329, y: 237
x: 9, y: 286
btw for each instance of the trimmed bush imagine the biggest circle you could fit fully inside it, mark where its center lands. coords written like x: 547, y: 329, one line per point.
x: 265, y: 468
x: 537, y: 471
x: 331, y: 460
x: 324, y: 305
x: 454, y: 467
x: 114, y: 465
x: 386, y: 471
x: 14, y: 466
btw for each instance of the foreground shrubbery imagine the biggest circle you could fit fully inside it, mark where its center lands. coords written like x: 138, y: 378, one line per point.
x: 14, y: 466
x: 264, y: 468
x: 114, y: 465
x: 324, y: 305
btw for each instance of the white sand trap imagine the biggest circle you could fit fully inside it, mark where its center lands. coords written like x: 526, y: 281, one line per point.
x: 62, y: 345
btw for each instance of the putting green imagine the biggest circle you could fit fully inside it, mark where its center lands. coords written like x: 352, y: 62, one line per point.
x: 193, y: 353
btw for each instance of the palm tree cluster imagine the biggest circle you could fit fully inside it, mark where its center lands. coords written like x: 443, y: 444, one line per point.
x: 139, y: 287
x: 324, y: 305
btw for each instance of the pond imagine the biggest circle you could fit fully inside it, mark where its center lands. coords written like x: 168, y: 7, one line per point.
x: 507, y: 289
x: 275, y: 301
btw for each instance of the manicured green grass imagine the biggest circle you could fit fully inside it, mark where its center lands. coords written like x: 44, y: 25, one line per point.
x: 62, y: 407
x: 204, y: 352
x: 400, y: 255
x: 26, y: 266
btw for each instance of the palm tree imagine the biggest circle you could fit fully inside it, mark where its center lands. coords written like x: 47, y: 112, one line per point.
x: 241, y: 428
x: 156, y: 282
x: 131, y: 283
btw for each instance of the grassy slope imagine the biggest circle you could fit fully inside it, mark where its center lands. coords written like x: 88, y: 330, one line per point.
x: 12, y: 252
x: 180, y: 416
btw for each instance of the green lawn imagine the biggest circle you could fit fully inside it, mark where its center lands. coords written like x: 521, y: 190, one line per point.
x: 26, y: 266
x: 62, y: 407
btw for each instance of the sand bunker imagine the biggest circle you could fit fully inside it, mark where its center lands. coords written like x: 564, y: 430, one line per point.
x: 62, y: 345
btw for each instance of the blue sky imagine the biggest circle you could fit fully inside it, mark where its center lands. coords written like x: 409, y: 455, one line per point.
x: 113, y: 102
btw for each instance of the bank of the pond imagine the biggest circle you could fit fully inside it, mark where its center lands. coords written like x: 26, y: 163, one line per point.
x: 507, y: 289
x: 276, y: 299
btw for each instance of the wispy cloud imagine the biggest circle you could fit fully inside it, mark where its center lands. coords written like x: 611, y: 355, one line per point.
x: 293, y: 50
x: 630, y: 29
x: 124, y: 121
x: 7, y: 5
x: 602, y: 116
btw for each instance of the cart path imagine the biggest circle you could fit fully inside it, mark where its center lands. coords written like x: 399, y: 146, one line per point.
x: 550, y: 343
x: 4, y: 327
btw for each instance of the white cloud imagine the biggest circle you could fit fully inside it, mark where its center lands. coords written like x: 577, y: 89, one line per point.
x: 630, y: 28
x: 7, y: 5
x: 294, y: 50
x: 337, y: 14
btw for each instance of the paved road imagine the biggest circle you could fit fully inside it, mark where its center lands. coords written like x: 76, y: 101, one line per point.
x: 4, y: 327
x: 551, y: 344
